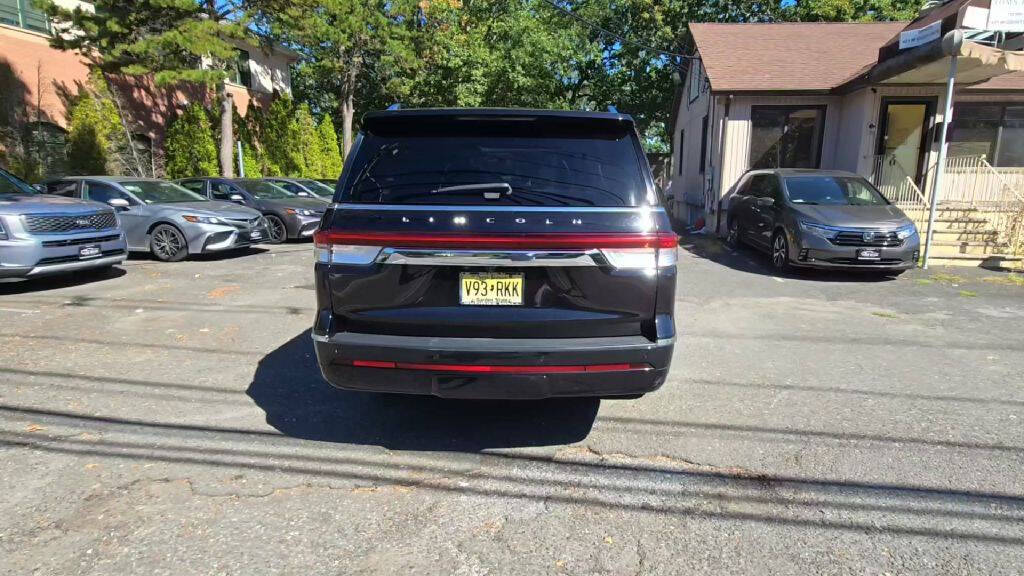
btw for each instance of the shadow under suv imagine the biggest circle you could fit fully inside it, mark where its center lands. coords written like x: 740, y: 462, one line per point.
x: 496, y: 254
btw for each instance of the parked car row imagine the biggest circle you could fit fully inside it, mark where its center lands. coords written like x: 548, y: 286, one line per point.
x: 86, y: 222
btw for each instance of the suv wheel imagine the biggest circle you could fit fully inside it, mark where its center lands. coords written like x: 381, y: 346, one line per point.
x: 780, y: 252
x: 734, y: 239
x: 276, y: 229
x: 168, y: 244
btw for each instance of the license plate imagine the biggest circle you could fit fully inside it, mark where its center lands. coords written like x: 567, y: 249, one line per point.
x: 491, y: 289
x: 868, y: 254
x: 255, y: 234
x: 90, y: 251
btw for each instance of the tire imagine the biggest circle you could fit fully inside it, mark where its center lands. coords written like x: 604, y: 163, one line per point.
x: 277, y: 232
x: 734, y: 238
x: 168, y: 244
x: 780, y: 252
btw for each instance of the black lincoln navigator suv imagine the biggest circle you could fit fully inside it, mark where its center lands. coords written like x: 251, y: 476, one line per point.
x: 496, y: 254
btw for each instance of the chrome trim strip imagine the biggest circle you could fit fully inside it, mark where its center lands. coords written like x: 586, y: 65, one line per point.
x: 503, y: 208
x: 517, y: 258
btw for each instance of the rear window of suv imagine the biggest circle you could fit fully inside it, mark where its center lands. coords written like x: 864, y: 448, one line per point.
x: 517, y: 161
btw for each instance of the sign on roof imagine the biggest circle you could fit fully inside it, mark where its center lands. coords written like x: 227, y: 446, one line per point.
x: 1006, y: 15
x: 919, y: 36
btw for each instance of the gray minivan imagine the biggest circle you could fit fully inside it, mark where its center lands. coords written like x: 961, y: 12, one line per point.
x: 821, y: 219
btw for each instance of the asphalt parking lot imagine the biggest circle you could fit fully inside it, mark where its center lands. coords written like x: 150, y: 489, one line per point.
x: 170, y: 419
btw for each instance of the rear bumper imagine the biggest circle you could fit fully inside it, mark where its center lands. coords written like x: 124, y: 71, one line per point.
x: 336, y: 355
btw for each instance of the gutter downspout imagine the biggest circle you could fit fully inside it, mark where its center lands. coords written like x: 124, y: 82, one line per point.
x: 721, y: 161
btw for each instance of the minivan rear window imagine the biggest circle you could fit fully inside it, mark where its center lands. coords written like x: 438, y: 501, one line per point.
x: 498, y: 165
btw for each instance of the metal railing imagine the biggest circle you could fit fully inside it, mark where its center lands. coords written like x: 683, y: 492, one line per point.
x: 895, y: 184
x: 969, y: 182
x: 1004, y: 204
x: 972, y: 182
x: 23, y: 14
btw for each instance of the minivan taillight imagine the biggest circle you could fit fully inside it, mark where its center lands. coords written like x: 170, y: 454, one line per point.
x: 632, y: 250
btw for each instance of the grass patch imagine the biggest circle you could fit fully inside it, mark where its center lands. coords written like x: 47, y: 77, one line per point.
x: 884, y: 314
x: 1012, y: 279
x: 924, y: 281
x: 944, y: 278
x: 968, y: 294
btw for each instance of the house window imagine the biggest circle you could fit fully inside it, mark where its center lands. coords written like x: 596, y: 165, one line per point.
x: 786, y: 136
x: 241, y: 73
x: 694, y: 87
x: 23, y: 14
x: 703, y: 144
x: 682, y: 143
x: 995, y: 130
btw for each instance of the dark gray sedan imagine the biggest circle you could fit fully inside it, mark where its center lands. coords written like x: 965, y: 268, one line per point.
x: 821, y: 219
x: 304, y: 187
x: 288, y: 216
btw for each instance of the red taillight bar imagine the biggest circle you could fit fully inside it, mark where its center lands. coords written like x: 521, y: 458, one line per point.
x: 504, y: 241
x: 489, y: 369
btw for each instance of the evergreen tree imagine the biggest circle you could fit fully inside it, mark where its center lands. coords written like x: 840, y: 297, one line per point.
x: 190, y: 146
x: 280, y: 137
x: 164, y: 38
x: 309, y: 142
x: 332, y: 161
x: 94, y: 136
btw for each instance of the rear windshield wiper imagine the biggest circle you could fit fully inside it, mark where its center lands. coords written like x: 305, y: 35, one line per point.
x: 497, y: 189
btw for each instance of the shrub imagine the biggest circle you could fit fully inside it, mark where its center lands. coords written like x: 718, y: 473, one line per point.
x: 332, y: 161
x: 190, y: 147
x: 308, y: 142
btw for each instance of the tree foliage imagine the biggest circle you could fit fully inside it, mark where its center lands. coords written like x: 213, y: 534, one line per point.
x: 332, y: 162
x: 279, y: 135
x: 172, y: 40
x: 190, y: 146
x: 352, y: 50
x: 166, y: 38
x: 524, y: 53
x: 97, y: 143
x: 308, y: 143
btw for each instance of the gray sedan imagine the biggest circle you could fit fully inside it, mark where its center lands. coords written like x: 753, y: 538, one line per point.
x: 165, y: 219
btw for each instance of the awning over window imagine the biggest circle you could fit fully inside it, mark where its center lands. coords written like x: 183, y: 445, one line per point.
x: 930, y: 64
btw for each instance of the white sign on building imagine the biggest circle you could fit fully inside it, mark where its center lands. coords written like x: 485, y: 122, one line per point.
x: 1006, y: 15
x: 919, y: 36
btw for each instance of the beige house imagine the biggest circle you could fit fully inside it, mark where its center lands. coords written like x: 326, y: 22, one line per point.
x: 845, y: 96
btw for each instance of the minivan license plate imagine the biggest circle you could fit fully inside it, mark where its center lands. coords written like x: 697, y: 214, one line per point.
x: 869, y: 255
x: 491, y: 289
x: 90, y: 251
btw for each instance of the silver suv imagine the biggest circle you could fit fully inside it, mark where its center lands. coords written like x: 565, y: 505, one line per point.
x: 42, y: 234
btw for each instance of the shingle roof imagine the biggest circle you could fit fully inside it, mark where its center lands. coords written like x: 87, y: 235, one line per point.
x: 811, y: 56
